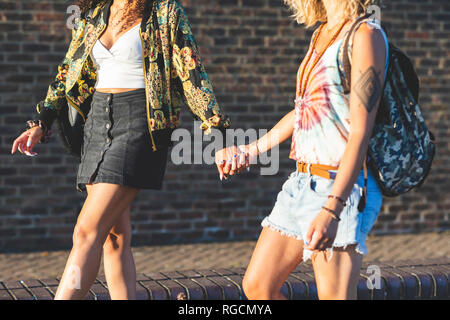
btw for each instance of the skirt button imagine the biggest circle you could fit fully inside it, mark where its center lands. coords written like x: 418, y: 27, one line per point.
x: 107, y: 126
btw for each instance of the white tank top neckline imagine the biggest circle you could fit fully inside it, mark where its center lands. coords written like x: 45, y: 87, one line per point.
x: 121, y: 65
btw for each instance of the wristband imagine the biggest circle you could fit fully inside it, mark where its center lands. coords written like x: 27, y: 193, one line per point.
x: 38, y: 123
x: 338, y: 198
x: 332, y: 213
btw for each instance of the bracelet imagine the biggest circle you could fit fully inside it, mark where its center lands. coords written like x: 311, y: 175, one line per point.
x: 332, y: 213
x: 38, y: 123
x: 338, y: 198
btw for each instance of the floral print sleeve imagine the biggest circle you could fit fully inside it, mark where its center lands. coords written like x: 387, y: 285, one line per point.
x: 195, y: 88
x: 56, y: 93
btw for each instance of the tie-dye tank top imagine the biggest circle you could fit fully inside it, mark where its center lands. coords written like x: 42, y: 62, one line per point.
x: 322, y: 116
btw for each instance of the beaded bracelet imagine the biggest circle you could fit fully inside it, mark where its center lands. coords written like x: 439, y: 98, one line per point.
x: 332, y: 213
x: 338, y: 198
x: 35, y: 123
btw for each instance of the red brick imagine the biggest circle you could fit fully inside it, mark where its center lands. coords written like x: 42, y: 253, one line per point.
x: 157, y: 292
x: 193, y: 290
x: 230, y: 290
x: 213, y: 290
x: 173, y: 287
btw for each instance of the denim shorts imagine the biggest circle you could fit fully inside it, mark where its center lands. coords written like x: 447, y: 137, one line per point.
x: 301, y: 199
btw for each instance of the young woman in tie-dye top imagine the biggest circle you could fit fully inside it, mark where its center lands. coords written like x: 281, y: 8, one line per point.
x: 316, y: 214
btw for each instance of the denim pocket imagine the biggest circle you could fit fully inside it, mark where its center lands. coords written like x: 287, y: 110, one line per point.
x: 286, y: 196
x: 321, y: 186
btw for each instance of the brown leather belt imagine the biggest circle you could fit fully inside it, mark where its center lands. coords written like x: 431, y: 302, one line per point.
x: 316, y: 169
x: 322, y: 171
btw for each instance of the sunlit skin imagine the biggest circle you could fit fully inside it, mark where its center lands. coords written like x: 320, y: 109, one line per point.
x: 275, y: 255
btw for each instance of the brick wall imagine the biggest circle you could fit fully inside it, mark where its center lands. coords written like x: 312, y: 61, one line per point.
x: 252, y: 50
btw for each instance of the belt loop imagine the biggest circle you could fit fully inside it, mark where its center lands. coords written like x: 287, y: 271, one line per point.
x: 308, y: 168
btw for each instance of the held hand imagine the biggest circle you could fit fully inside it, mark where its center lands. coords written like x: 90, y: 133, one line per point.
x: 251, y: 153
x: 26, y: 141
x: 321, y: 232
x: 229, y: 161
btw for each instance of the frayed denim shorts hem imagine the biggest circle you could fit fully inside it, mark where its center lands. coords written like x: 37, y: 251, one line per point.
x: 301, y: 199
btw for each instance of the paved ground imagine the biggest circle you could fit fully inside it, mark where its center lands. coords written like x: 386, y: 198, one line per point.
x: 42, y: 265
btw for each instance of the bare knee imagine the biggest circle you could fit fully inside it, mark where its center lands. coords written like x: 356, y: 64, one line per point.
x: 257, y: 290
x: 84, y: 235
x: 104, y: 213
x: 250, y: 288
x: 119, y: 237
x: 116, y: 243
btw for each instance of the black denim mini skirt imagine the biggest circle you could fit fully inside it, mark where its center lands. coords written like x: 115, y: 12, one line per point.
x: 117, y: 147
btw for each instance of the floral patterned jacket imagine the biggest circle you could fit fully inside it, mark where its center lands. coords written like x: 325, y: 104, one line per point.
x: 174, y: 74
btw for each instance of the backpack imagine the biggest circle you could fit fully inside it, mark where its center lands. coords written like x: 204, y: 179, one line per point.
x: 401, y: 148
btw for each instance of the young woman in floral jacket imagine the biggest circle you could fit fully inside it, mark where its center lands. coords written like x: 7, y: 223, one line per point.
x: 128, y: 117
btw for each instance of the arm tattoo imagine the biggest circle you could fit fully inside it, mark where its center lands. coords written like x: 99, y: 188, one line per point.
x: 368, y: 88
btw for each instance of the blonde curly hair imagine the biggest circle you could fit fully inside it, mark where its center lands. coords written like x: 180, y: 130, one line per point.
x: 309, y: 12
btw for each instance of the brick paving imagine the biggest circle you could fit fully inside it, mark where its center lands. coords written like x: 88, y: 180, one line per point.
x: 14, y: 266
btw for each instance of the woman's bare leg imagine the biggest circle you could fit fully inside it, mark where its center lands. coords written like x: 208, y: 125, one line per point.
x: 103, y: 206
x: 274, y: 258
x: 118, y: 262
x: 337, y: 278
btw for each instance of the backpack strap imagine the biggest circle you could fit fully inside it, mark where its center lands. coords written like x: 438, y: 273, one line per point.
x: 346, y: 49
x: 346, y: 83
x: 362, y: 201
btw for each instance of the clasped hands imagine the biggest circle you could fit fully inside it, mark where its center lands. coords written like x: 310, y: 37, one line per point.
x: 235, y: 159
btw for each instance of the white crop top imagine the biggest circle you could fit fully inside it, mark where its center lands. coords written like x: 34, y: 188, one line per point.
x: 120, y: 66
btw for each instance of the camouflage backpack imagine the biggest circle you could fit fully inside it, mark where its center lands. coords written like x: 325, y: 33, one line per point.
x: 401, y: 148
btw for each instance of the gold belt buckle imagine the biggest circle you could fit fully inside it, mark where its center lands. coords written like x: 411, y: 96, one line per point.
x: 304, y: 167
